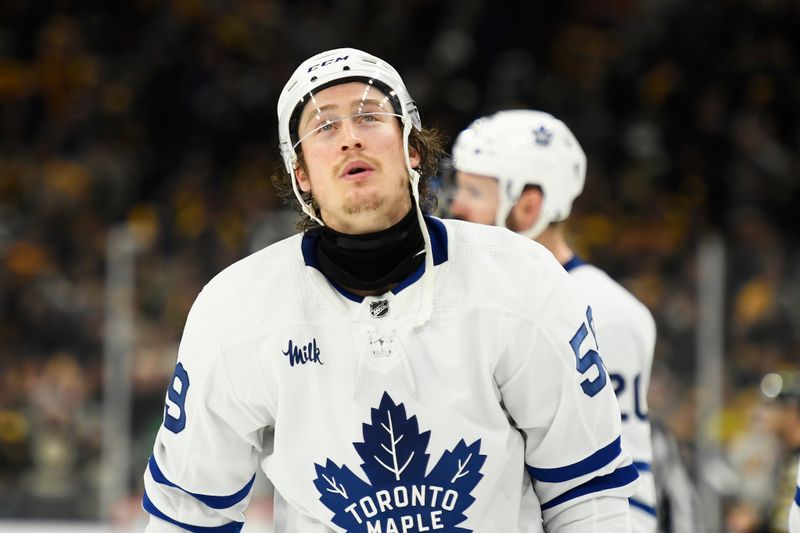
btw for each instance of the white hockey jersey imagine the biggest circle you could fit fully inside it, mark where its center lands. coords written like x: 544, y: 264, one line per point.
x: 794, y: 512
x: 626, y: 334
x: 381, y: 425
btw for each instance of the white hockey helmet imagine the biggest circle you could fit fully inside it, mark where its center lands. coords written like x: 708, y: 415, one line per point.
x: 333, y: 67
x: 524, y: 147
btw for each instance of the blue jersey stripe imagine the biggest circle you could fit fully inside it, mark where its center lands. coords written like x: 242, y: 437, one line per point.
x: 438, y: 234
x: 597, y: 460
x: 411, y: 279
x: 642, y: 507
x: 618, y: 478
x: 641, y: 466
x: 215, y: 502
x: 797, y: 496
x: 344, y: 292
x: 575, y: 262
x: 230, y: 527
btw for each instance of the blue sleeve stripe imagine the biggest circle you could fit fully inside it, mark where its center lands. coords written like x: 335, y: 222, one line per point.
x: 641, y: 466
x: 642, y: 507
x: 797, y: 496
x: 618, y: 478
x: 215, y: 502
x: 230, y: 527
x: 597, y: 460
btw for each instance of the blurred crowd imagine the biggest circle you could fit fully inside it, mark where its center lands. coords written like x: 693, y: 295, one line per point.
x: 159, y: 116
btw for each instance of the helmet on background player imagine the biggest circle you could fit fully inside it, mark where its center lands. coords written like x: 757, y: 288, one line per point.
x: 524, y: 147
x: 334, y: 67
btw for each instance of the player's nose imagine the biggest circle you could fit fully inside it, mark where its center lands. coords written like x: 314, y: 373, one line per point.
x: 350, y: 136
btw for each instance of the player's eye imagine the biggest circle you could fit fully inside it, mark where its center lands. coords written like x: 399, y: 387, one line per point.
x: 475, y: 192
x: 326, y: 126
x: 368, y: 118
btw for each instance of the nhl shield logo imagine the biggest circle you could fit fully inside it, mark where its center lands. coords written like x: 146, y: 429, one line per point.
x: 379, y: 309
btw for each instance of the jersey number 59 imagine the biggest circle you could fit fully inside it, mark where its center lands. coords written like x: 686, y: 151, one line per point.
x: 590, y: 359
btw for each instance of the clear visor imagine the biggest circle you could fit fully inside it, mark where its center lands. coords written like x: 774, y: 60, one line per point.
x: 354, y: 108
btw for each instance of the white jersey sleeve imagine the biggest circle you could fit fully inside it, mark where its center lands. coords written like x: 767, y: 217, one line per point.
x: 626, y: 336
x: 794, y: 512
x: 206, y: 453
x: 558, y: 393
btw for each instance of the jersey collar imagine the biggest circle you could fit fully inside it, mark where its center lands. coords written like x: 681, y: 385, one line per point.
x: 573, y: 263
x: 438, y: 235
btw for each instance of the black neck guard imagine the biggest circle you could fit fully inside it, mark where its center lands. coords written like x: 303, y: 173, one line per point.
x: 372, y: 261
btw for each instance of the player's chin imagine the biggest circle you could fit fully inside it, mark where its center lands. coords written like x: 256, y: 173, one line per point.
x: 362, y: 202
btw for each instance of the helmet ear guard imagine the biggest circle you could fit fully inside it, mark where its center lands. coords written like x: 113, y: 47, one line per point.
x: 524, y: 147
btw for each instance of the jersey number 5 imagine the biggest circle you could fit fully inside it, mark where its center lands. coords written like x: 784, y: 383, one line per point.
x: 590, y: 359
x: 176, y: 400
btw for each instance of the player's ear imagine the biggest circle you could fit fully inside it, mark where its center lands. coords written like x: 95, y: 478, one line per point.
x: 302, y: 180
x: 527, y: 209
x: 413, y: 156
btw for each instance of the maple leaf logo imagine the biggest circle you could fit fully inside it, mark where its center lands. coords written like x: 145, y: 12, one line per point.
x: 400, y: 497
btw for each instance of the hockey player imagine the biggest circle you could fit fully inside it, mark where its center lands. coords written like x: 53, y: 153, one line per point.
x: 522, y: 169
x: 383, y: 351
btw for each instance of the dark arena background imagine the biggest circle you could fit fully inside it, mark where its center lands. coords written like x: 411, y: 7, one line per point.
x: 137, y: 142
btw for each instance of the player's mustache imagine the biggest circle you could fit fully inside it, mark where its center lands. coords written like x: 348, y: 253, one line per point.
x: 338, y: 169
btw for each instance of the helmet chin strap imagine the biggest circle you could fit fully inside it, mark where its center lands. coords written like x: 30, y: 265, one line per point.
x: 307, y: 208
x: 426, y: 306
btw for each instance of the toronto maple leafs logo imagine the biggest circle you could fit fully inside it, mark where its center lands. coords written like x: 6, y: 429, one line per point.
x: 400, y: 497
x: 542, y: 136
